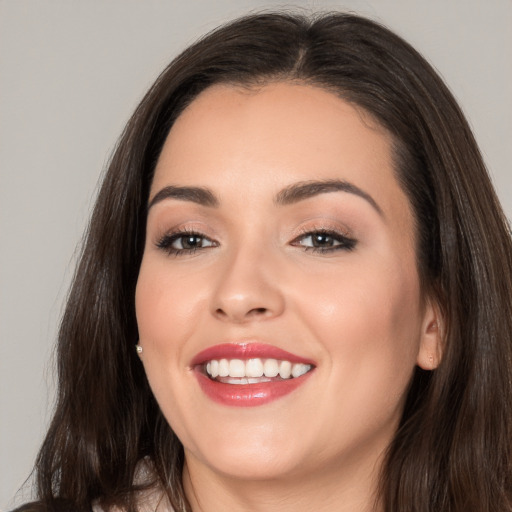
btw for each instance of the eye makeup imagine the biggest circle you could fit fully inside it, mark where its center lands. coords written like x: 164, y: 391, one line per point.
x: 320, y: 240
x: 184, y: 242
x: 324, y: 241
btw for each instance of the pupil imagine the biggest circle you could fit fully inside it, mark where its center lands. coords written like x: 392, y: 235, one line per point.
x: 191, y: 242
x: 322, y: 240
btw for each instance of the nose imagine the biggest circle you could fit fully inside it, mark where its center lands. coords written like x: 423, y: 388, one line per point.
x: 247, y: 289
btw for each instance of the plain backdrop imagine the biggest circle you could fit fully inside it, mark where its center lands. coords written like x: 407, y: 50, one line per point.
x: 72, y: 71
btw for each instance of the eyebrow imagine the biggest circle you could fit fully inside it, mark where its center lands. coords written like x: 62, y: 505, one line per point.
x: 306, y: 189
x: 198, y: 195
x: 289, y: 195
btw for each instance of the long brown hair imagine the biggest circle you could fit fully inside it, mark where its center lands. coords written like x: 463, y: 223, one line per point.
x: 453, y: 449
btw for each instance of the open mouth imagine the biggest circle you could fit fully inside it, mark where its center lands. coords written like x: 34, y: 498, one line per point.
x: 254, y: 371
x: 249, y: 374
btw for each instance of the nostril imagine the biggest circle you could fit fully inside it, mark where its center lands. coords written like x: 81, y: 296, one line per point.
x: 258, y: 311
x: 239, y: 316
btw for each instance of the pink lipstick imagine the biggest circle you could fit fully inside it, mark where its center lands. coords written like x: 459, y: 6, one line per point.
x: 249, y: 374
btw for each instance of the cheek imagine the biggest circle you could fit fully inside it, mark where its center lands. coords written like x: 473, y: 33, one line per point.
x: 369, y: 326
x: 165, y: 305
x: 367, y: 317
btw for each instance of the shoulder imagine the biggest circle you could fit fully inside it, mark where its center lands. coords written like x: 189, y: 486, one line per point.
x: 146, y: 502
x: 40, y: 506
x: 151, y: 499
x: 30, y: 507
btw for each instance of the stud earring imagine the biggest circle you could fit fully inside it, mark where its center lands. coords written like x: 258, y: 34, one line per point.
x: 139, y: 349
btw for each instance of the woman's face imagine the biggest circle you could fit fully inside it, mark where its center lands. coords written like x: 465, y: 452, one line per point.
x: 278, y: 241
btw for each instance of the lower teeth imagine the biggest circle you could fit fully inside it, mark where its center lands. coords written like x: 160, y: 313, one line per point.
x: 245, y: 380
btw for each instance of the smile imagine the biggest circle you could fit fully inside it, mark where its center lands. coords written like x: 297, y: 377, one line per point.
x: 249, y: 374
x: 253, y: 371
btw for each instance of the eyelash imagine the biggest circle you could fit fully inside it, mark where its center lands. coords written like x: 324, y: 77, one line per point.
x: 165, y: 243
x: 344, y: 242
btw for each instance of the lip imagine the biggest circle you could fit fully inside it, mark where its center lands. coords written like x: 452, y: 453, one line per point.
x: 247, y: 395
x: 247, y: 350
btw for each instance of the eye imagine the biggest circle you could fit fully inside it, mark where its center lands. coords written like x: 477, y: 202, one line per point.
x: 324, y: 241
x: 184, y: 242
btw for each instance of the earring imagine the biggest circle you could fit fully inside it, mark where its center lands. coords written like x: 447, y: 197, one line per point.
x: 139, y: 349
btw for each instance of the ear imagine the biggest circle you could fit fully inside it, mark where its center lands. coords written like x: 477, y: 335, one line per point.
x: 432, y: 337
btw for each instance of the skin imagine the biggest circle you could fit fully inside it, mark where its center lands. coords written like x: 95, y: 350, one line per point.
x: 359, y: 314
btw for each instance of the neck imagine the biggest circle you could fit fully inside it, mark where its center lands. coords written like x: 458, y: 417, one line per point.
x: 349, y: 489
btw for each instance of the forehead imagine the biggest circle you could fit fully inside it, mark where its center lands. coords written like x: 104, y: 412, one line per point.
x: 275, y: 135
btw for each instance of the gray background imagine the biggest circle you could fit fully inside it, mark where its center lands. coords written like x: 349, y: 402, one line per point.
x: 71, y: 72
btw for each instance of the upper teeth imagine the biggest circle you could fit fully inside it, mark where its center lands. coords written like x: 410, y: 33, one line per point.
x: 255, y: 368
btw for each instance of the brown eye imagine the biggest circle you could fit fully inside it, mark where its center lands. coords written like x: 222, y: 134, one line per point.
x: 188, y: 242
x: 184, y: 243
x: 324, y: 241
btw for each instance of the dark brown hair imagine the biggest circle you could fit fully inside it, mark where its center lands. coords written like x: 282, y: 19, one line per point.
x: 452, y: 451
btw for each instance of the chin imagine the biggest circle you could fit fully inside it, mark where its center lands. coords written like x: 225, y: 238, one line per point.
x: 254, y: 466
x: 251, y: 457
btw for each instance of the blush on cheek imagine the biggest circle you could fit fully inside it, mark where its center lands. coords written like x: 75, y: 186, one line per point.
x: 369, y: 317
x: 152, y: 298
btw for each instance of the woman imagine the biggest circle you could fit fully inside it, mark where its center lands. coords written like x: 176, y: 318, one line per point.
x: 295, y: 290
